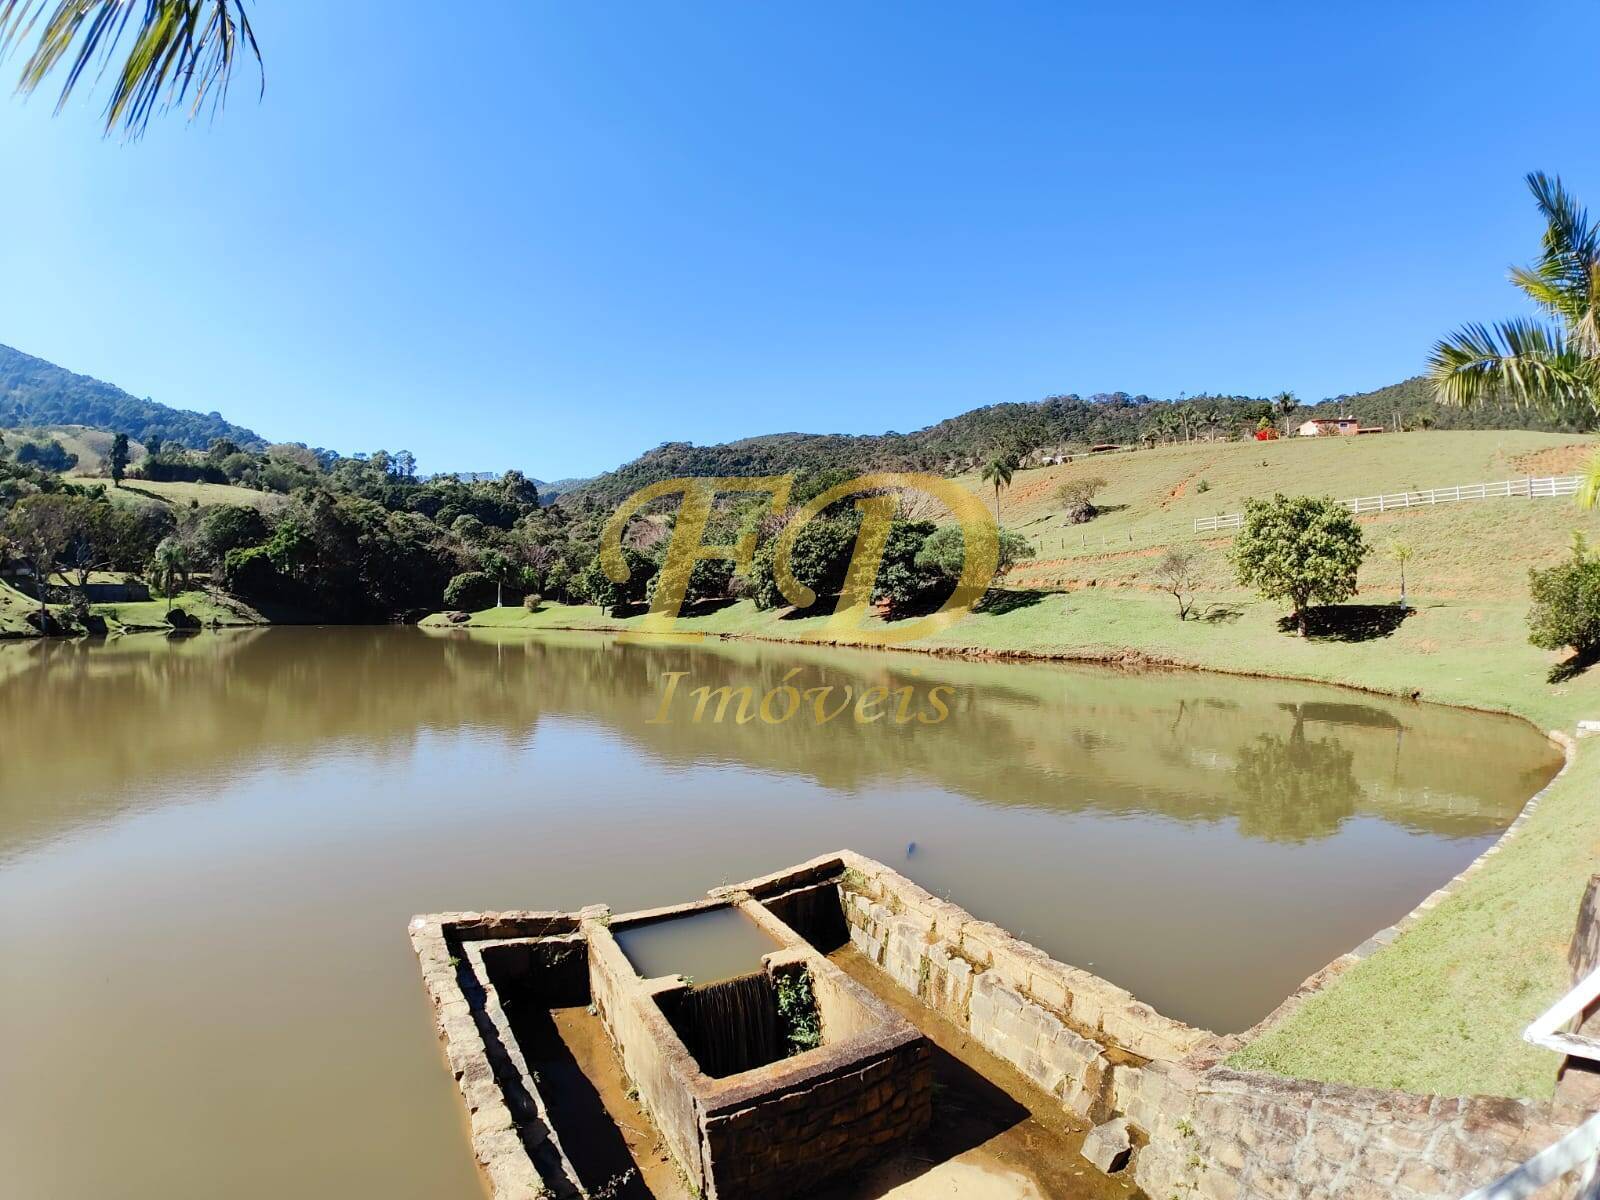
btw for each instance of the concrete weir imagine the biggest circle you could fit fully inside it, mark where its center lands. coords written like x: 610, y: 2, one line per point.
x: 779, y: 1128
x: 1164, y: 1109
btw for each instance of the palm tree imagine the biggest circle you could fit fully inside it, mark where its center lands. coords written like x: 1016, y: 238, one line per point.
x: 1551, y: 367
x: 1283, y: 404
x: 998, y: 472
x: 1401, y: 552
x: 181, y: 51
x: 169, y: 566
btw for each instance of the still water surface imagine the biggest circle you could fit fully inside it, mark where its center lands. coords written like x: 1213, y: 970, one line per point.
x: 209, y: 850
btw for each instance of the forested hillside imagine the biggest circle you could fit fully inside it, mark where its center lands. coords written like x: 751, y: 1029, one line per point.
x: 36, y: 392
x: 953, y: 445
x: 1414, y: 401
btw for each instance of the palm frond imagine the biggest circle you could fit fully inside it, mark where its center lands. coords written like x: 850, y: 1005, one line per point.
x: 1565, y: 282
x: 1589, y: 487
x: 181, y: 51
x: 1530, y: 365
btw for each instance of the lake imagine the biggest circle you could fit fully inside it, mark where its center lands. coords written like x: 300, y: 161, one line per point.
x: 210, y: 848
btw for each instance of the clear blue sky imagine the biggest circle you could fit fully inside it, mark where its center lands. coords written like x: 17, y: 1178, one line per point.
x: 554, y: 235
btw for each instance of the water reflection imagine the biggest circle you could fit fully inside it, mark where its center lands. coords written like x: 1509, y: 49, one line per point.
x: 121, y: 718
x: 209, y: 850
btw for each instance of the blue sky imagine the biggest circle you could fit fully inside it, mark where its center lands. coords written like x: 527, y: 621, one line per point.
x: 558, y: 234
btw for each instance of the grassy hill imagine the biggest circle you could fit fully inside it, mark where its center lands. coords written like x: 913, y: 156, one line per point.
x: 1152, y: 498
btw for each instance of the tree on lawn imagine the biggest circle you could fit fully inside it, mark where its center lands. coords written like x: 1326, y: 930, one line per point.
x: 1566, y: 605
x: 1178, y: 574
x: 1300, y: 549
x: 119, y: 458
x: 1400, y: 553
x: 1077, y: 498
x: 998, y: 472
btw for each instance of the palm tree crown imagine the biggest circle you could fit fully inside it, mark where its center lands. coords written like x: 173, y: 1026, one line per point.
x: 1553, y: 366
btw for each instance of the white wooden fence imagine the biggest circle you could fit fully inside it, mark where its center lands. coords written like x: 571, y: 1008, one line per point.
x: 1529, y: 486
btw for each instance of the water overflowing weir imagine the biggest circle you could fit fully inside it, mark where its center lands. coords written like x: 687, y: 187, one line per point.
x: 730, y: 1026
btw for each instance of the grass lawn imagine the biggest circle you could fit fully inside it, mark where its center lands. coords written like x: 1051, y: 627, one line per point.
x: 145, y: 491
x: 207, y: 607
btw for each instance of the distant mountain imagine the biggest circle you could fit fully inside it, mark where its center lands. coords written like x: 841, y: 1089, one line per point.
x: 36, y: 392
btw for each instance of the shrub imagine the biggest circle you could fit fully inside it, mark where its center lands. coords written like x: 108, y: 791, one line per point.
x: 1299, y: 549
x: 944, y: 552
x: 1203, y: 486
x: 532, y: 602
x: 1566, y: 603
x: 470, y: 590
x: 797, y: 1011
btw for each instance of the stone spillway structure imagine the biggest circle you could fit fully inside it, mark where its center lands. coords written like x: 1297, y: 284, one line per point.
x: 765, y: 1121
x: 743, y: 1114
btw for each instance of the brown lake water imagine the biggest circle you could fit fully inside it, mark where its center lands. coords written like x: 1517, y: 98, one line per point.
x: 210, y: 848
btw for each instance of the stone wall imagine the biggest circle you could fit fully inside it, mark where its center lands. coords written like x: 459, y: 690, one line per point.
x: 1216, y: 1134
x: 1063, y: 1028
x: 512, y: 1138
x: 1202, y: 1129
x: 787, y: 1141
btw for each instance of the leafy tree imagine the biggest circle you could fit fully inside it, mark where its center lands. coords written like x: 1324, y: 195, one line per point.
x: 1300, y: 549
x: 902, y: 582
x: 182, y: 51
x: 470, y: 590
x: 998, y: 472
x: 598, y: 588
x: 48, y: 455
x: 1552, y: 367
x: 819, y: 559
x: 943, y: 552
x: 119, y: 458
x: 709, y: 579
x: 39, y: 531
x: 228, y: 527
x: 1077, y: 497
x: 1178, y: 573
x: 1566, y: 604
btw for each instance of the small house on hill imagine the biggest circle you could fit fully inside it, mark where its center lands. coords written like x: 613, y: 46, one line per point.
x: 1331, y: 426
